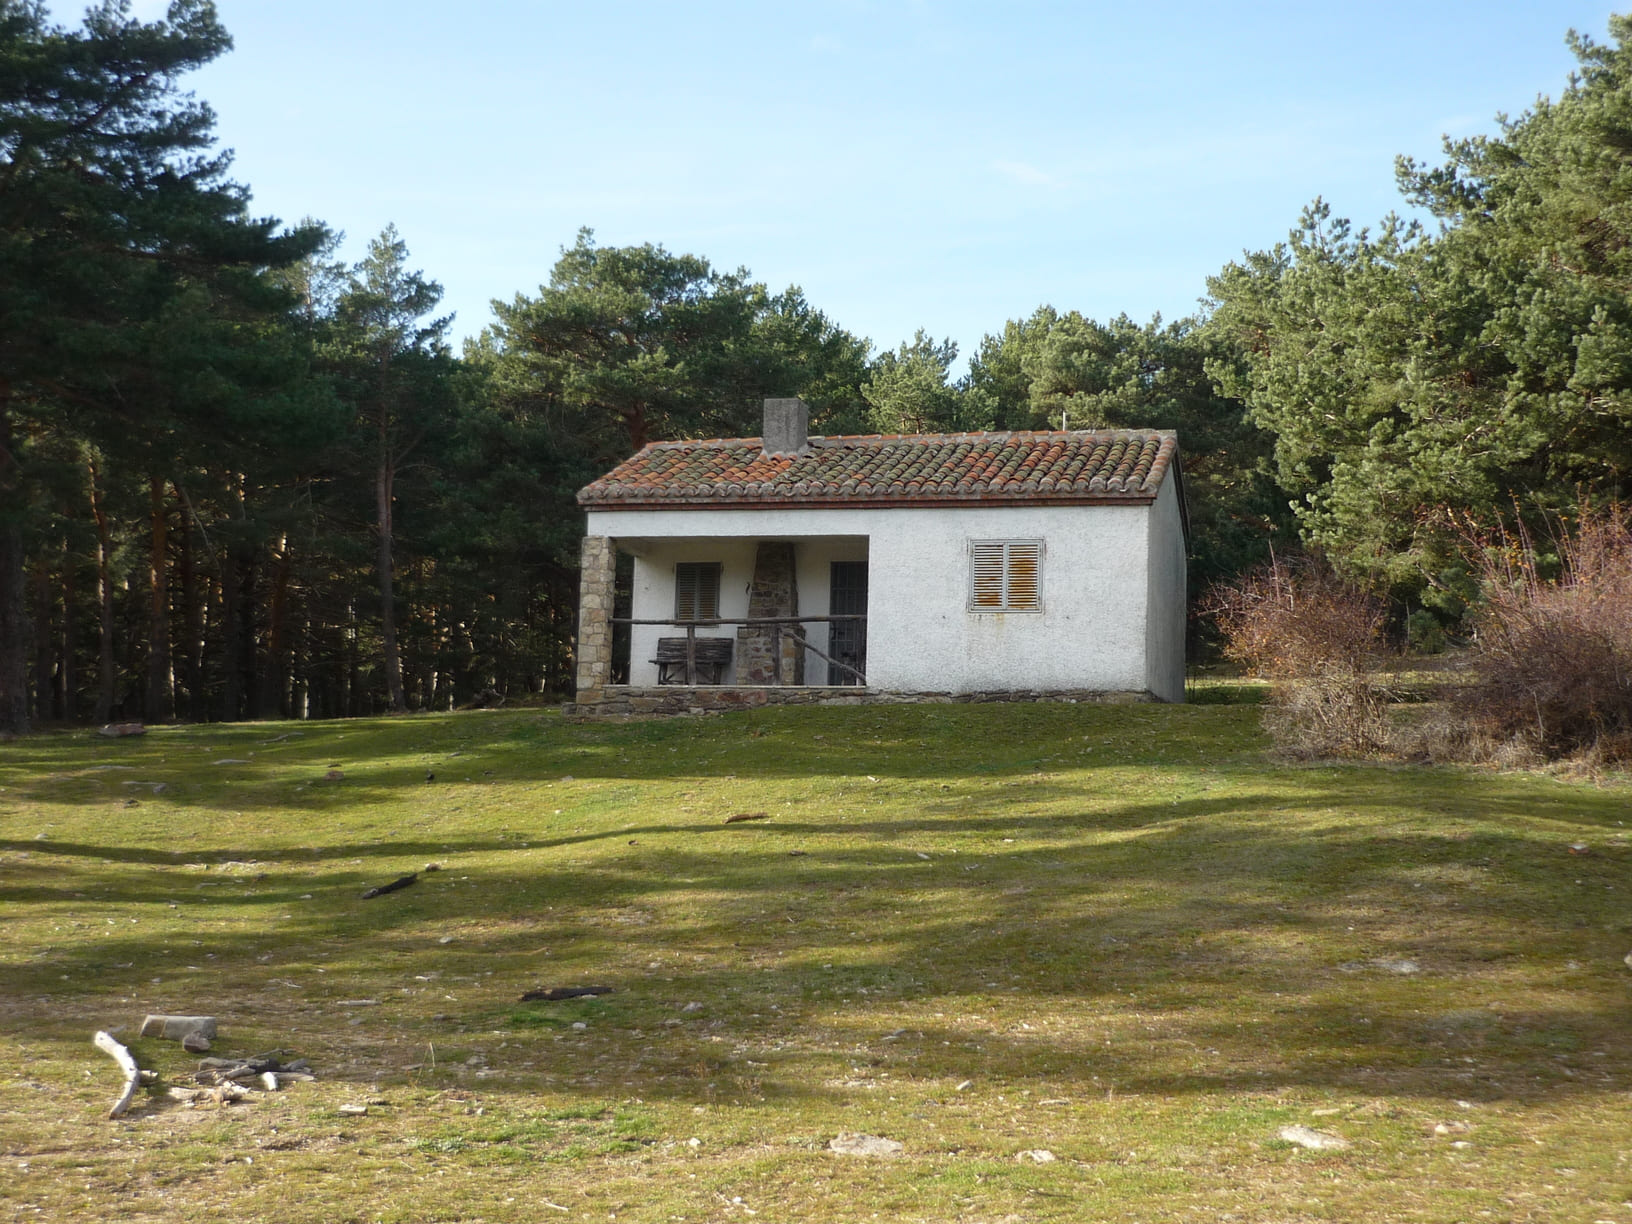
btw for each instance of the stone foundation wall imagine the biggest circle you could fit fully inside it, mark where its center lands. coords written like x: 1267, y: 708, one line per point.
x: 624, y: 699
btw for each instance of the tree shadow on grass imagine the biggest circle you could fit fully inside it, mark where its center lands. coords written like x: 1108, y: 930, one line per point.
x: 228, y: 766
x: 1204, y: 945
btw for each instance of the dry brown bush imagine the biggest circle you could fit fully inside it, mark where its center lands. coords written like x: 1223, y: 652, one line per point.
x: 1552, y: 662
x: 1317, y: 638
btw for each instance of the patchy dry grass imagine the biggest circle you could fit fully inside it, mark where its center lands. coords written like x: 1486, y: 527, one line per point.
x: 1118, y: 934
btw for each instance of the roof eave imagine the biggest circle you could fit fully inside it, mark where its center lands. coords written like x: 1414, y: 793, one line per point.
x: 856, y: 503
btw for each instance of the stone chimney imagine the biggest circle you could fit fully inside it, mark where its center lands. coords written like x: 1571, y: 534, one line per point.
x: 787, y: 427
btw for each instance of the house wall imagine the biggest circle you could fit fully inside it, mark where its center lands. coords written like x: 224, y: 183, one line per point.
x: 1092, y: 633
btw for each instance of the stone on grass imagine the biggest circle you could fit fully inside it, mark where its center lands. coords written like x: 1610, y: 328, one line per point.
x: 176, y: 1028
x: 1319, y: 1141
x: 1394, y: 964
x: 851, y: 1143
x: 1035, y: 1155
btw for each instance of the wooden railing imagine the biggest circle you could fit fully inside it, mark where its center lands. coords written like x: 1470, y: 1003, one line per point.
x: 775, y: 623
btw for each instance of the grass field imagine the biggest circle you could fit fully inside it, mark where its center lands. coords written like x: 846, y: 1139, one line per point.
x: 1120, y: 935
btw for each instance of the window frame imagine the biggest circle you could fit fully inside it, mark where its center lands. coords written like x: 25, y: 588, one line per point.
x: 703, y: 580
x: 1004, y: 561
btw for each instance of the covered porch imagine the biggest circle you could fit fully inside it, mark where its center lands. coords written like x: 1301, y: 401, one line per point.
x: 723, y: 612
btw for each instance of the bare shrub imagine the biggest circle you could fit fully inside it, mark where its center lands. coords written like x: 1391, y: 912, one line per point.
x: 1317, y: 638
x: 1552, y: 661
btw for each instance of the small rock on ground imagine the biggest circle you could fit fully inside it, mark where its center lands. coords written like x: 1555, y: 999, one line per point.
x: 850, y: 1143
x: 1396, y: 964
x: 1035, y: 1155
x: 1320, y: 1141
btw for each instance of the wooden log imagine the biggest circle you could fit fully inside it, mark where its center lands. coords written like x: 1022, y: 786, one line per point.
x: 399, y: 882
x: 176, y: 1028
x: 110, y: 1046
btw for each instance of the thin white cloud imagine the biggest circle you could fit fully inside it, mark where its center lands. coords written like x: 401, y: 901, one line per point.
x: 1024, y: 172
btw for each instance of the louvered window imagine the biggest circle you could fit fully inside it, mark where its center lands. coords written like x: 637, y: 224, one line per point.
x: 1005, y: 575
x: 697, y: 590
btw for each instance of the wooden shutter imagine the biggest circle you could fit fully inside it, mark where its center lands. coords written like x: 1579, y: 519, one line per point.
x: 1005, y: 575
x: 697, y: 590
x: 1024, y: 592
x: 986, y: 575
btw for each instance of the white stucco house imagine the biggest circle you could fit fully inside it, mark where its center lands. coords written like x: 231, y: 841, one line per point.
x: 951, y: 564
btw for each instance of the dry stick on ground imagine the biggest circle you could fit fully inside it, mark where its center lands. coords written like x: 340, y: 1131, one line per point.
x: 133, y: 1074
x: 746, y: 816
x: 557, y: 993
x: 399, y: 882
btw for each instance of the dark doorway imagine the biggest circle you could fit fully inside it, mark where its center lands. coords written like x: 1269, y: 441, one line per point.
x: 847, y: 641
x: 623, y: 605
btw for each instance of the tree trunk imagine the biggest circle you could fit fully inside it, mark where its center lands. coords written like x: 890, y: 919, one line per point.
x: 233, y: 633
x: 384, y: 480
x: 274, y: 702
x: 192, y: 608
x: 13, y: 577
x: 634, y: 420
x: 106, y: 675
x: 44, y: 671
x: 354, y: 664
x: 160, y: 682
x: 230, y: 701
x: 67, y: 673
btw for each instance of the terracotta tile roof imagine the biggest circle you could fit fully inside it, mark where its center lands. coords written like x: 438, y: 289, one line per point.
x: 1108, y: 465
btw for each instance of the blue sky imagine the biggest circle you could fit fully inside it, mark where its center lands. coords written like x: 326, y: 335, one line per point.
x: 909, y: 163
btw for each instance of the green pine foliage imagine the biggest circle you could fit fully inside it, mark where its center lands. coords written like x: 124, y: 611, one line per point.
x: 239, y: 478
x: 1415, y: 377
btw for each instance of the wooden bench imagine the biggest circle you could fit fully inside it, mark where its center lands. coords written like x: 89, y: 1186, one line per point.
x: 713, y: 657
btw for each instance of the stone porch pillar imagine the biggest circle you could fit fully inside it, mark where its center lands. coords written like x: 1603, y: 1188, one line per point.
x: 598, y: 566
x: 773, y: 592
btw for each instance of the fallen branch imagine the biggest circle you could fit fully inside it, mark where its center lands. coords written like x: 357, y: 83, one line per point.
x: 557, y: 993
x: 746, y: 816
x: 246, y: 1070
x: 399, y: 882
x: 133, y: 1074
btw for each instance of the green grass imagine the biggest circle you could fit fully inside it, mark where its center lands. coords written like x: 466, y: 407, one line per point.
x: 1121, y: 934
